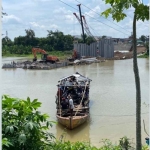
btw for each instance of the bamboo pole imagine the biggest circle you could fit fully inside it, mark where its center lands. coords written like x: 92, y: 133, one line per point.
x: 59, y: 102
x: 82, y: 99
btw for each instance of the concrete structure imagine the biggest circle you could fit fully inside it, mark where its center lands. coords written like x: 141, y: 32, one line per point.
x: 103, y: 48
x: 122, y: 46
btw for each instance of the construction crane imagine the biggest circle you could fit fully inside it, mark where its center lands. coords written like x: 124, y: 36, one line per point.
x: 85, y: 26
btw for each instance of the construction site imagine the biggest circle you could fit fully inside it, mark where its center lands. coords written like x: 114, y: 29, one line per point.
x: 73, y: 60
x: 100, y: 50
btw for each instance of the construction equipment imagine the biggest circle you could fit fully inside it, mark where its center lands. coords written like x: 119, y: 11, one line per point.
x: 86, y: 28
x: 45, y: 57
x: 75, y: 55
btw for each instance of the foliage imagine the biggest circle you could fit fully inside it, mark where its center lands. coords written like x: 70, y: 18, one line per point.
x: 88, y: 39
x: 104, y: 37
x: 82, y: 146
x: 143, y: 56
x: 143, y: 38
x: 3, y: 13
x: 107, y: 145
x: 147, y: 48
x: 22, y: 45
x: 125, y: 143
x: 145, y: 147
x: 23, y: 126
x: 118, y: 6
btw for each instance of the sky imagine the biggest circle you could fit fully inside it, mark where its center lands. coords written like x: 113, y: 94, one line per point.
x: 43, y: 15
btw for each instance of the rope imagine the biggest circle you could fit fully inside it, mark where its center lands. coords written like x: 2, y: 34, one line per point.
x: 81, y: 100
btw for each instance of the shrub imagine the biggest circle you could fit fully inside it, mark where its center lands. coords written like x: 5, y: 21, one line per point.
x: 23, y: 126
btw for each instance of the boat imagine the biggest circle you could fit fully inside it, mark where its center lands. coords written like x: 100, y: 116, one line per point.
x: 77, y: 86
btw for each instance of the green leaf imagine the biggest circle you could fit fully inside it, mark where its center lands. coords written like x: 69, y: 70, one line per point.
x: 26, y: 127
x: 6, y: 143
x: 22, y: 138
x: 11, y: 129
x: 45, y: 116
x: 7, y: 129
x: 30, y: 125
x: 28, y: 100
x: 36, y: 105
x: 35, y: 100
x: 106, y: 13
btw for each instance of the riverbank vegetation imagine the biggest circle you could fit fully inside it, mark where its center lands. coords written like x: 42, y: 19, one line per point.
x: 60, y: 54
x: 145, y: 55
x: 24, y: 127
x: 54, y: 43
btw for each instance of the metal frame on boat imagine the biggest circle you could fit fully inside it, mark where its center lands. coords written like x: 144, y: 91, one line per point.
x: 70, y: 86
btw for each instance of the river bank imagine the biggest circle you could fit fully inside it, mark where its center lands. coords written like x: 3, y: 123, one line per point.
x: 29, y: 64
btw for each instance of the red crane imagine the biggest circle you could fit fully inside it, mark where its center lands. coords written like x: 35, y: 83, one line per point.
x: 85, y: 26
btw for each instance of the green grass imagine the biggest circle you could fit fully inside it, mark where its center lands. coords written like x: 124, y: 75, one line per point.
x: 61, y: 55
x: 107, y: 145
x: 144, y: 56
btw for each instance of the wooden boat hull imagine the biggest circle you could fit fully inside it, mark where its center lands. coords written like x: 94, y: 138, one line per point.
x: 72, y: 122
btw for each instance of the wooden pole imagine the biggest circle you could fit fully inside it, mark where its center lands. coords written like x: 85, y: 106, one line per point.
x: 81, y: 100
x: 59, y: 101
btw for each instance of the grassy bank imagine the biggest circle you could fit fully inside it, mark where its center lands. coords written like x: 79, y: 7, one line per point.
x: 144, y: 56
x: 60, y: 54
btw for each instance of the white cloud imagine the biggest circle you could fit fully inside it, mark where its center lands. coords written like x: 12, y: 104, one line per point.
x: 11, y: 18
x: 53, y: 26
x: 43, y: 15
x: 95, y: 11
x: 65, y: 15
x: 34, y: 24
x: 61, y: 10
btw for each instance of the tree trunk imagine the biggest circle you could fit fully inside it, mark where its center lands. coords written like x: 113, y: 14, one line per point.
x: 138, y: 90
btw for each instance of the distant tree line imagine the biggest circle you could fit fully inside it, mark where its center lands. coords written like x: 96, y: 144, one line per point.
x: 23, y: 44
x: 55, y: 41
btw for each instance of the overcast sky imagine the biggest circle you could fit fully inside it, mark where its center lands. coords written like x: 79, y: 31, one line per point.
x: 43, y: 15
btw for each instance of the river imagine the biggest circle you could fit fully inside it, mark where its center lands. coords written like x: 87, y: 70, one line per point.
x: 112, y: 95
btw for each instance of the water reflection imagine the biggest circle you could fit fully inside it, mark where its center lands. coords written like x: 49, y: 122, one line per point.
x: 82, y: 133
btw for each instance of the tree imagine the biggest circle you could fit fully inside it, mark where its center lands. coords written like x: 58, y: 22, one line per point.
x: 141, y: 12
x: 104, y: 37
x: 23, y: 126
x: 88, y: 39
x: 3, y: 13
x: 30, y: 35
x: 143, y: 38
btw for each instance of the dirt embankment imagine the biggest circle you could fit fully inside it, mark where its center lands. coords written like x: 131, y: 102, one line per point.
x: 37, y: 65
x: 127, y: 55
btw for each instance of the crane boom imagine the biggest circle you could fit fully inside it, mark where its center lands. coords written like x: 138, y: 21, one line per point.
x: 77, y: 18
x: 86, y: 28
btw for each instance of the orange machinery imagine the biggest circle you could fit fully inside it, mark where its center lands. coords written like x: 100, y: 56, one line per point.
x: 45, y: 57
x: 75, y: 55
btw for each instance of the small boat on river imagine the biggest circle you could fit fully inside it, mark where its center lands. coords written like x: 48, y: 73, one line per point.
x: 75, y: 87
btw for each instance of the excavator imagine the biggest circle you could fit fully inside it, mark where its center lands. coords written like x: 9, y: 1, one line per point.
x: 45, y: 57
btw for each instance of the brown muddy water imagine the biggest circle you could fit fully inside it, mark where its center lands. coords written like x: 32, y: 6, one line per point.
x: 112, y: 95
